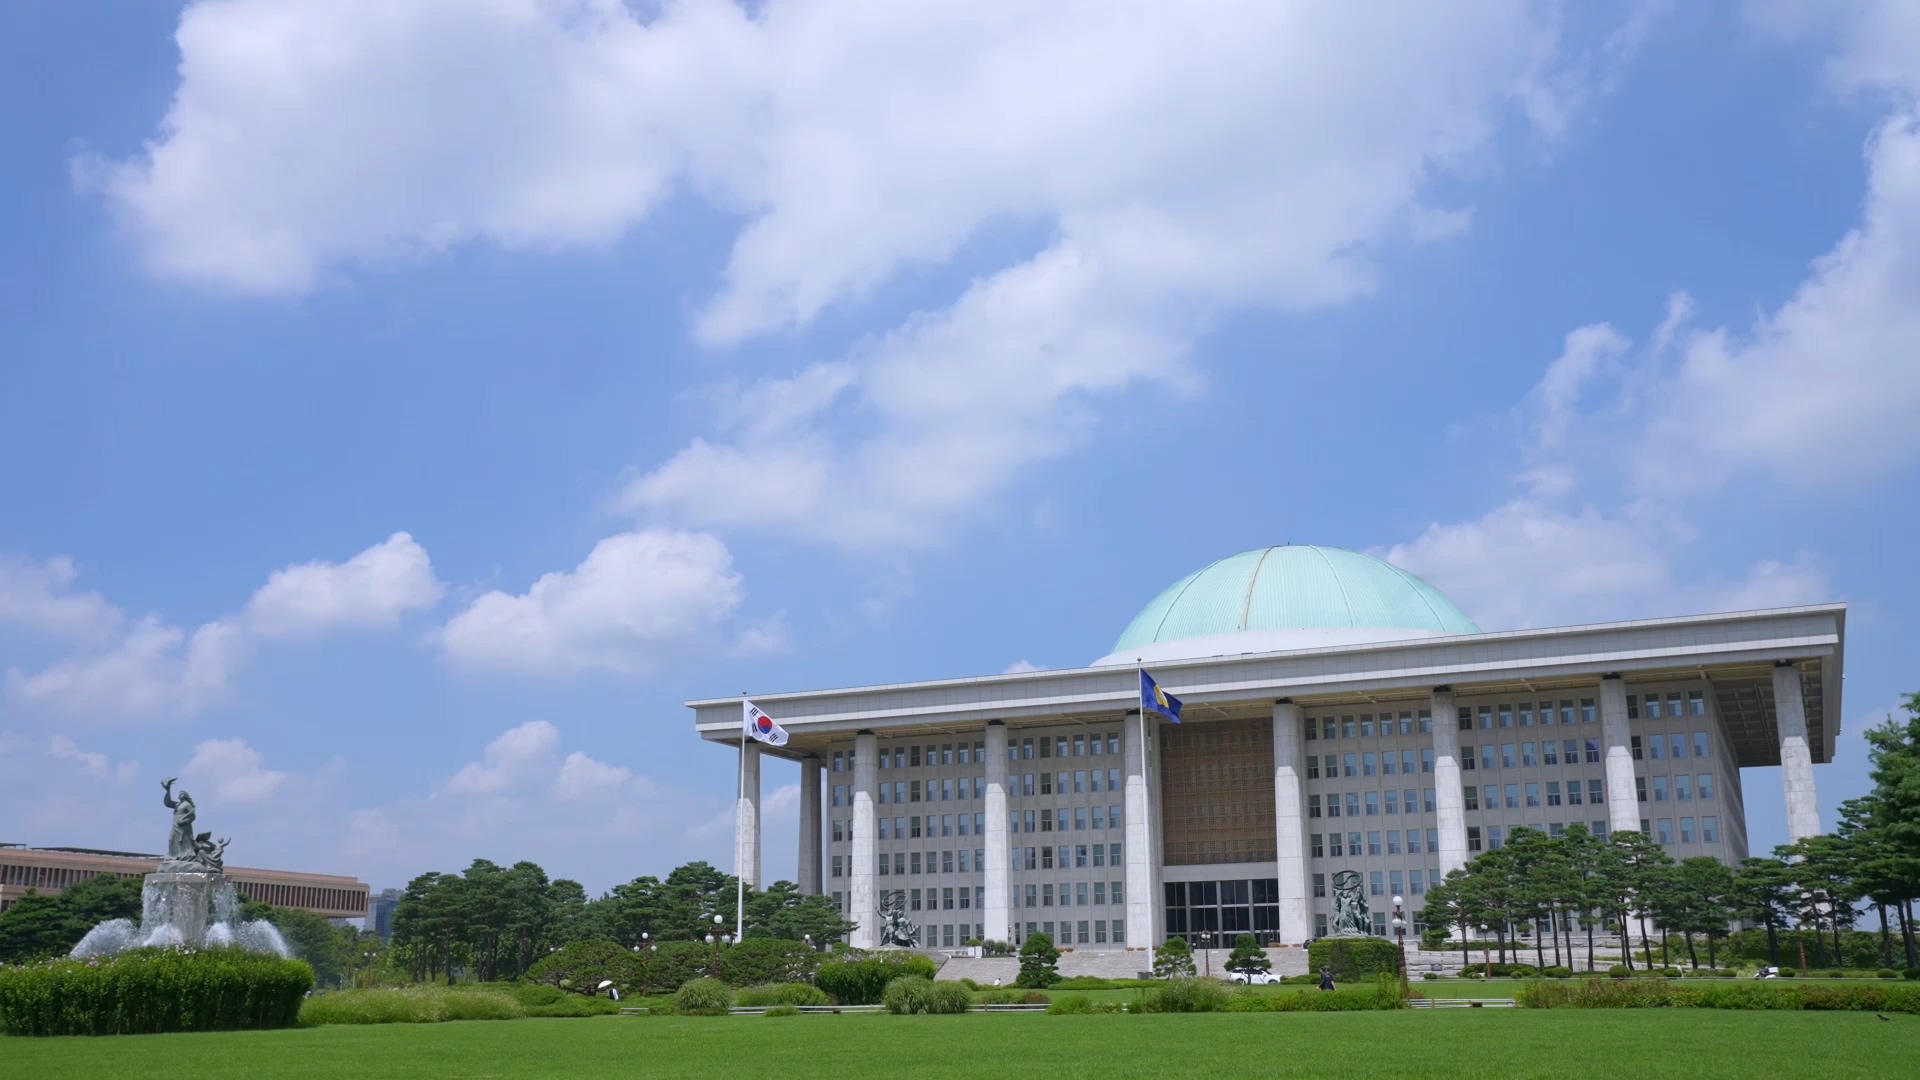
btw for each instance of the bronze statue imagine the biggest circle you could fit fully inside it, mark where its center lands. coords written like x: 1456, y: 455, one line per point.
x: 180, y: 845
x: 1350, y: 915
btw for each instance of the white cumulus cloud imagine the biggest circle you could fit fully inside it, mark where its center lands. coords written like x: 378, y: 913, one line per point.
x: 510, y: 759
x: 236, y: 772
x: 636, y: 598
x: 372, y: 590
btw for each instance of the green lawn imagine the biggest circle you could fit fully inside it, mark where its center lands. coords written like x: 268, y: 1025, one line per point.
x: 1698, y: 1044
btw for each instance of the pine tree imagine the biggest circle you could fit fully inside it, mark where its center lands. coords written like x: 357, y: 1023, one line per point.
x: 1039, y: 962
x: 1248, y: 957
x: 1173, y: 959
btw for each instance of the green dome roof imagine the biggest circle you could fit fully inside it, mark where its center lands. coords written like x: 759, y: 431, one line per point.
x: 1334, y: 595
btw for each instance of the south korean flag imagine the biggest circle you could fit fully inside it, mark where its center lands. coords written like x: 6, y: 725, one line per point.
x: 758, y: 725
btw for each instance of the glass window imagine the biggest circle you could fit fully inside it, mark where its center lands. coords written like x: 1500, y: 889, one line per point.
x: 1411, y: 800
x: 1673, y: 703
x: 1553, y: 793
x: 1393, y: 801
x: 1470, y: 795
x: 1426, y: 721
x: 1416, y: 883
x: 1026, y: 749
x: 1657, y: 748
x: 1587, y: 715
x: 1699, y: 744
x: 1513, y: 796
x: 1486, y: 717
x: 1334, y: 845
x: 1353, y: 804
x: 1376, y: 886
x: 1373, y: 843
x: 1640, y: 788
x: 1099, y: 817
x: 1506, y: 716
x: 1593, y: 751
x: 1366, y: 726
x: 1493, y: 838
x: 1704, y: 782
x: 1466, y: 757
x: 1393, y: 841
x: 1678, y: 743
x: 1550, y: 753
x: 1653, y: 706
x: 1313, y: 766
x: 1426, y: 760
x: 1596, y: 793
x: 1566, y: 711
x: 1663, y: 830
x: 1328, y: 728
x: 1696, y: 703
x: 1406, y: 763
x: 1373, y: 804
x: 1433, y: 845
x: 1427, y: 800
x: 1506, y: 755
x: 1313, y: 806
x: 1526, y: 714
x: 1659, y: 789
x: 1686, y: 830
x: 1320, y: 885
x: 1346, y: 726
x: 1633, y: 745
x: 1386, y: 763
x: 1353, y: 844
x: 1466, y: 718
x: 1473, y: 838
x: 1486, y: 756
x: 1710, y: 829
x: 1633, y: 707
x: 1413, y: 841
x: 1367, y: 767
x: 1573, y: 793
x: 1099, y: 854
x: 1682, y: 787
x: 1318, y: 848
x: 1533, y: 795
x: 1351, y: 764
x: 836, y: 866
x: 1526, y: 755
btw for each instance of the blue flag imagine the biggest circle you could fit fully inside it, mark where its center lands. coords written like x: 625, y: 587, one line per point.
x: 1154, y: 699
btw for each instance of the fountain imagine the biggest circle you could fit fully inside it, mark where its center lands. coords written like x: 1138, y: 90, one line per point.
x: 186, y: 903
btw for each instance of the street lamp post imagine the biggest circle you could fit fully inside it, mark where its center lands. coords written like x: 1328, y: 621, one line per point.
x: 716, y: 942
x: 645, y: 951
x: 1400, y: 939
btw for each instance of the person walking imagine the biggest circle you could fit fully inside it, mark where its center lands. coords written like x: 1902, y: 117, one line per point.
x: 1326, y: 978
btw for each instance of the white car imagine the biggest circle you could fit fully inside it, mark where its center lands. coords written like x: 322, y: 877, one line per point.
x: 1258, y: 978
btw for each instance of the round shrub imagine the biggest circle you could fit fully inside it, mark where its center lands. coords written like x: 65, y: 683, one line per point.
x: 1836, y: 974
x: 703, y: 997
x: 1187, y: 996
x: 784, y: 1010
x: 1034, y: 997
x: 537, y: 994
x: 1618, y: 971
x: 1429, y: 975
x: 914, y: 995
x: 1557, y: 971
x: 1886, y: 973
x: 153, y: 990
x: 781, y: 994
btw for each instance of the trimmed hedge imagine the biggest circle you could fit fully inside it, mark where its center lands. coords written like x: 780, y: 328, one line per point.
x: 914, y: 994
x: 1354, y: 958
x: 1384, y: 994
x: 782, y: 994
x: 1661, y: 994
x: 863, y: 979
x: 154, y: 990
x: 411, y: 1005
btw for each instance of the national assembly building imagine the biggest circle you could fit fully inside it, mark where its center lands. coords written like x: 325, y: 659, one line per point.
x: 1340, y: 714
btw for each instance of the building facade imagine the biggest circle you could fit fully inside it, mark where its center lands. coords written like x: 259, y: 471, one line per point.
x: 1340, y: 715
x: 51, y: 870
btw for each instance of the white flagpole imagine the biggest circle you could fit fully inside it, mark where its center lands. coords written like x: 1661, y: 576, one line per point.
x: 740, y: 872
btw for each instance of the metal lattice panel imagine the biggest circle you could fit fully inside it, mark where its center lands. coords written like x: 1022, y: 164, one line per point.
x: 1216, y: 790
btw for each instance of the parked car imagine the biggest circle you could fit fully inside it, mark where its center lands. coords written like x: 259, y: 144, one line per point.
x: 1258, y: 978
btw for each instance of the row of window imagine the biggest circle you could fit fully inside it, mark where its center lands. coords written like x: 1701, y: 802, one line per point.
x: 1068, y: 930
x: 1683, y: 787
x: 936, y: 755
x: 1042, y: 858
x: 1388, y: 882
x: 1651, y: 707
x: 1521, y: 755
x: 1505, y: 715
x: 967, y: 861
x: 1374, y: 803
x: 1496, y: 836
x: 1364, y: 726
x: 1663, y: 830
x: 1528, y: 796
x: 1369, y: 763
x: 1072, y: 894
x: 1378, y: 843
x: 949, y: 789
x: 1673, y: 745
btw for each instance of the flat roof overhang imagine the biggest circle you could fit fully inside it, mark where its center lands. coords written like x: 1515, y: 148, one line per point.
x: 1734, y: 651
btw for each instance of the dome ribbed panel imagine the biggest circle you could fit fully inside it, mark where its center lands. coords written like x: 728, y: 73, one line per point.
x: 1294, y: 587
x: 1213, y: 601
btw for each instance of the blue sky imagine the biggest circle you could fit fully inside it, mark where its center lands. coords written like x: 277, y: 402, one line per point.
x: 408, y: 406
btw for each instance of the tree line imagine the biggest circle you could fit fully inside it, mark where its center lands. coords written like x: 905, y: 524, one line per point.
x: 1819, y: 884
x: 496, y: 922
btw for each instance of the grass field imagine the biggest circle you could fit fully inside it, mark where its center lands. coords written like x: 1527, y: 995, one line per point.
x: 1690, y: 1043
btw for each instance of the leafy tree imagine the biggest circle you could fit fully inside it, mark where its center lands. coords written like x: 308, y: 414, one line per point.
x: 1039, y: 962
x: 1894, y: 753
x: 36, y: 927
x: 1644, y: 869
x: 782, y: 911
x: 1699, y: 903
x: 310, y: 937
x: 103, y: 897
x: 1172, y: 960
x: 1248, y: 958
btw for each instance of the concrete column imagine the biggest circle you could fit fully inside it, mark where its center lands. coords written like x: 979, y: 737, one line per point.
x: 863, y: 907
x: 1450, y: 807
x: 1141, y: 903
x: 1623, y: 804
x: 1289, y: 824
x: 746, y: 817
x: 999, y: 914
x: 809, y: 868
x: 1796, y: 757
